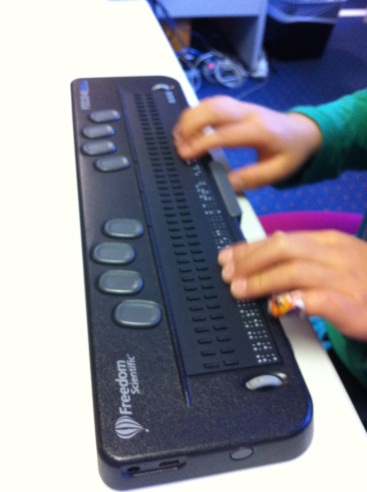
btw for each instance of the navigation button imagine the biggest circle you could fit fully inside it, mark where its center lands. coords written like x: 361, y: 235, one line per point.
x: 265, y: 381
x: 98, y: 131
x: 113, y: 253
x: 112, y: 163
x: 120, y: 282
x: 138, y: 313
x: 123, y: 228
x: 99, y: 148
x: 104, y: 115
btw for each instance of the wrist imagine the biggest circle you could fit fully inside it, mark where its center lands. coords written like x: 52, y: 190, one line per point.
x: 306, y: 133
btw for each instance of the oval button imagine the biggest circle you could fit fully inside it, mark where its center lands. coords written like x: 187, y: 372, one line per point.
x: 265, y: 381
x: 124, y: 228
x: 98, y: 131
x: 112, y: 163
x: 99, y: 148
x: 241, y: 453
x: 113, y: 253
x: 138, y: 313
x: 120, y: 282
x: 104, y: 115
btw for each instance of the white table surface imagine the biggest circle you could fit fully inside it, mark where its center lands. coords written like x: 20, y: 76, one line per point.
x: 46, y: 418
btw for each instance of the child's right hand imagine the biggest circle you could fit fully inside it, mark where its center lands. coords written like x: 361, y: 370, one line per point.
x: 283, y: 141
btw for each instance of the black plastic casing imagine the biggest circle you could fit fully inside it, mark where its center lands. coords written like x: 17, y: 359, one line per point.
x: 159, y: 416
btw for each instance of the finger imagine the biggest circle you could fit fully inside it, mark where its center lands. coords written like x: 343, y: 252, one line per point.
x: 328, y: 304
x: 214, y: 112
x: 258, y: 174
x: 228, y: 134
x: 217, y: 122
x: 200, y: 143
x: 244, y: 259
x: 339, y: 309
x: 287, y: 276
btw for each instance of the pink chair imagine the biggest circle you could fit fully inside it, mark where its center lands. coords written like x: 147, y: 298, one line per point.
x: 311, y: 220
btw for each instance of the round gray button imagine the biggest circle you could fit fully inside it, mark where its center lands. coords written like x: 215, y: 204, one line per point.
x: 120, y: 282
x: 124, y: 228
x: 138, y: 313
x: 113, y: 253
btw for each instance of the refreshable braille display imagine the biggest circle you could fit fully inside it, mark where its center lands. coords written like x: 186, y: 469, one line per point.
x: 186, y: 380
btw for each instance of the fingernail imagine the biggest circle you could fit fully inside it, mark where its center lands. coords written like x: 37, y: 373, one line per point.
x: 239, y: 287
x: 227, y: 272
x: 225, y: 255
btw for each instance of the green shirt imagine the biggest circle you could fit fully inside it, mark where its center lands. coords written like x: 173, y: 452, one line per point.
x: 343, y: 124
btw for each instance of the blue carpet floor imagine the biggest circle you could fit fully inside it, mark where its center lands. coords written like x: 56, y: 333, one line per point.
x: 340, y: 70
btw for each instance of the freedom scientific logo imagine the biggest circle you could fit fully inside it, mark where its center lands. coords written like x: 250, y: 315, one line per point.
x: 126, y: 427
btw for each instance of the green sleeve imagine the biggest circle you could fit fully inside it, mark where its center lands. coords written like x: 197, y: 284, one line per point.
x: 352, y: 353
x: 343, y: 124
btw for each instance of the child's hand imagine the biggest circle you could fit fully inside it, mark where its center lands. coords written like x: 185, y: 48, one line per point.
x: 283, y: 141
x: 328, y: 268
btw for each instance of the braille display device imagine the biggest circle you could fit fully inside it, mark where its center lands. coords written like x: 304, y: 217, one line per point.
x: 186, y: 381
